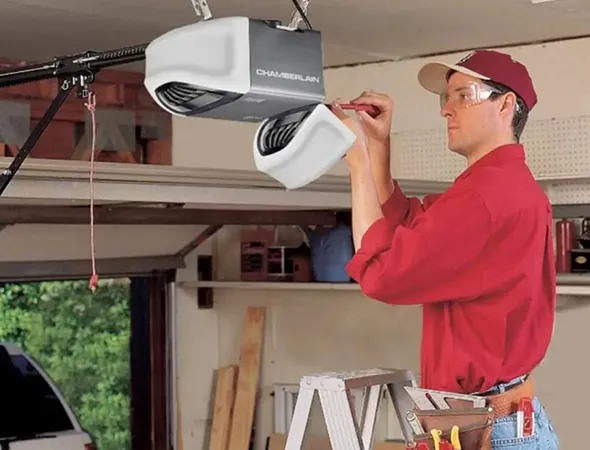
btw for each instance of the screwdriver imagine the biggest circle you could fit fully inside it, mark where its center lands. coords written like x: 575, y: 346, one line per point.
x: 371, y: 110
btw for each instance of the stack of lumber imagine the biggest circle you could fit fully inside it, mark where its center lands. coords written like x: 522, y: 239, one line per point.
x: 236, y: 389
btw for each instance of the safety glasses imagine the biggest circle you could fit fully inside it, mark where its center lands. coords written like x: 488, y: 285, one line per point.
x: 466, y: 95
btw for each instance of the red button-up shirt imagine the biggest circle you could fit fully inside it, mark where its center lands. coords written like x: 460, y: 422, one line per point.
x: 480, y: 259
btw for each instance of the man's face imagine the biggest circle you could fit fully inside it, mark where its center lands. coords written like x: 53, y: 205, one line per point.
x: 472, y: 119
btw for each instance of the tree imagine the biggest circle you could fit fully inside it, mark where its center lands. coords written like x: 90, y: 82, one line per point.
x: 82, y: 341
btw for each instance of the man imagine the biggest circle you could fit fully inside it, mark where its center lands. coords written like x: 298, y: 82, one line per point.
x: 478, y: 257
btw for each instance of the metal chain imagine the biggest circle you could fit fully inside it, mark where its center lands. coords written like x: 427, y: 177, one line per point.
x: 296, y: 17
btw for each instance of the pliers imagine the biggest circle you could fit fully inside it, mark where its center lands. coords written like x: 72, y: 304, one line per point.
x: 443, y: 444
x: 455, y: 438
x: 439, y: 444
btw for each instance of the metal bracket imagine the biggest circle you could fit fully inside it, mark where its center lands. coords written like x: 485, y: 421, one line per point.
x: 202, y: 9
x: 299, y: 14
x: 72, y: 71
x: 8, y: 174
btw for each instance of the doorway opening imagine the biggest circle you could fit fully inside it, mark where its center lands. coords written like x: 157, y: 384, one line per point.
x: 81, y: 341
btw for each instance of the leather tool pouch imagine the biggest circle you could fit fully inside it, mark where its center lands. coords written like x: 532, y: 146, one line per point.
x: 475, y: 426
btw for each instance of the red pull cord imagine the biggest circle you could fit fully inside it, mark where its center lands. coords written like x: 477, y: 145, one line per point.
x: 91, y: 105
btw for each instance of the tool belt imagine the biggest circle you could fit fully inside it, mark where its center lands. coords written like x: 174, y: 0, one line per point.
x: 465, y: 424
x: 506, y: 403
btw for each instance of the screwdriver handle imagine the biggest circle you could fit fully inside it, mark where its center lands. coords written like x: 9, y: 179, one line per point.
x: 371, y: 110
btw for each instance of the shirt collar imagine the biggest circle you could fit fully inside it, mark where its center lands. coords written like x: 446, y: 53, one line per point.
x: 496, y: 157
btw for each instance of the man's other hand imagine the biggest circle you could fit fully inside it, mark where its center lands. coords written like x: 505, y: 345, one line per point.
x: 376, y: 128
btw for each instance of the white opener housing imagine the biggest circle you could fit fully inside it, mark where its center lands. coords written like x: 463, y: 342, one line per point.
x: 235, y: 68
x: 299, y: 146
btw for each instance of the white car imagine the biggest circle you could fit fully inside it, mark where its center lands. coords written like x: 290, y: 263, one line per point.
x: 33, y: 412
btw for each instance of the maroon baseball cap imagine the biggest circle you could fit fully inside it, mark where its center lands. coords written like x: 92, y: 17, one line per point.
x: 488, y: 65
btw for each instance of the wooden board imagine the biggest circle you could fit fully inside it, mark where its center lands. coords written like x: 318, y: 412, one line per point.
x: 179, y: 438
x: 248, y: 375
x: 225, y: 392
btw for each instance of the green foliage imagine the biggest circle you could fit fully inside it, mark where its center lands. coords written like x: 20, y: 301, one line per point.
x: 82, y: 341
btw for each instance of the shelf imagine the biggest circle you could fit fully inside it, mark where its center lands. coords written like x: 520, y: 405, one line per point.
x: 567, y: 284
x: 271, y: 285
x: 573, y: 279
x: 573, y: 284
x: 573, y: 290
x: 571, y: 211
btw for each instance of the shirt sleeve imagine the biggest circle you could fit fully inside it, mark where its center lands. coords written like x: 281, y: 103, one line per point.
x: 400, y: 209
x: 429, y: 259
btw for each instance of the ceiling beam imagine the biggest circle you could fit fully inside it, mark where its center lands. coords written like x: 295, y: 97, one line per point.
x: 15, y: 271
x: 198, y: 240
x: 66, y: 215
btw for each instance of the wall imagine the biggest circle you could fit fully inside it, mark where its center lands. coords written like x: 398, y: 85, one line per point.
x: 346, y: 330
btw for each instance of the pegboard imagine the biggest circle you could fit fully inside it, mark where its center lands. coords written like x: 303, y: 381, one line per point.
x: 558, y: 147
x: 555, y: 148
x: 424, y: 155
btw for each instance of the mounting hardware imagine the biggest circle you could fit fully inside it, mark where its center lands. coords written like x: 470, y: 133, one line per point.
x: 202, y: 9
x: 76, y: 71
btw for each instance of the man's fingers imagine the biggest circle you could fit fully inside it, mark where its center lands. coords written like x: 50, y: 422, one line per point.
x: 372, y: 94
x: 370, y: 125
x: 337, y: 110
x: 381, y: 101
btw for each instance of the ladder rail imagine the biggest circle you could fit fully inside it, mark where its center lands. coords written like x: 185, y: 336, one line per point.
x: 300, y: 420
x: 402, y: 402
x: 340, y: 422
x: 370, y: 412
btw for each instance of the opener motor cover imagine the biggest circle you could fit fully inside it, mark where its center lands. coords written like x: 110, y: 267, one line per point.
x: 299, y: 146
x: 235, y: 68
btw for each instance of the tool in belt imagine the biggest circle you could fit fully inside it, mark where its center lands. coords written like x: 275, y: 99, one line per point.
x: 451, y: 421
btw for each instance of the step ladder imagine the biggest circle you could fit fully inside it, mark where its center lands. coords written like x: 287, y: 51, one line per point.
x: 337, y: 406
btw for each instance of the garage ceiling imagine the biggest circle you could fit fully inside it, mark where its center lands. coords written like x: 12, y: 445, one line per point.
x: 355, y: 31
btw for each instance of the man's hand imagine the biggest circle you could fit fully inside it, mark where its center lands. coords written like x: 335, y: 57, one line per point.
x: 358, y: 154
x: 377, y: 129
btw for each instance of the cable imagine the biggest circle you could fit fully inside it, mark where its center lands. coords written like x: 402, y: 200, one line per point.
x: 302, y: 14
x: 91, y: 105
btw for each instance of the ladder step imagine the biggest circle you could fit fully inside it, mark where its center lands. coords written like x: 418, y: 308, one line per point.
x: 356, y: 379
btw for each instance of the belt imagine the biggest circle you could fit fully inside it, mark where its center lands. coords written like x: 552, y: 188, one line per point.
x: 502, y: 387
x: 506, y: 403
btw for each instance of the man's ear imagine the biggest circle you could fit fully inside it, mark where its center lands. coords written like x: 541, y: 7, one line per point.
x: 508, y: 103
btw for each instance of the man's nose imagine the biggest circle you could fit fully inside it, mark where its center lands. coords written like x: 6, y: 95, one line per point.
x: 446, y: 111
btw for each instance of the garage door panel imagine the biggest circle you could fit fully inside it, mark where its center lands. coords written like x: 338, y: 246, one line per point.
x: 29, y: 242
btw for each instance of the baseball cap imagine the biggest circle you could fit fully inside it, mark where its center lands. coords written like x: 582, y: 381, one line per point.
x: 487, y: 65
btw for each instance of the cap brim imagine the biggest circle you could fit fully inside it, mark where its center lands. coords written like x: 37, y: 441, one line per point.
x: 433, y: 76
